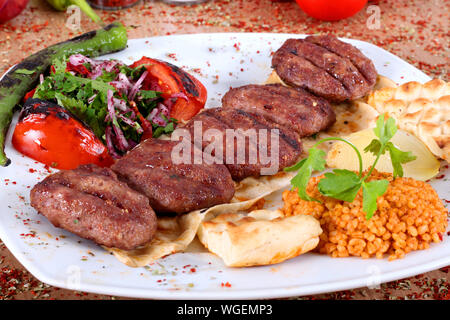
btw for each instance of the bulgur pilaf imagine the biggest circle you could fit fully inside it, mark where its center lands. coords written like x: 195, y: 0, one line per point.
x: 410, y: 216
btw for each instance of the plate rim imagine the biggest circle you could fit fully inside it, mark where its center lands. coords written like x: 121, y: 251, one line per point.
x: 281, y: 292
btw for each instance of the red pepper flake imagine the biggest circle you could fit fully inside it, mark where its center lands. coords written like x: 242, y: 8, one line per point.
x: 226, y: 284
x: 39, y: 27
x: 193, y: 270
x: 172, y: 56
x: 31, y: 170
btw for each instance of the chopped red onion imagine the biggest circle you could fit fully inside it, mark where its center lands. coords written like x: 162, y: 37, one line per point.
x: 164, y: 109
x: 120, y: 104
x: 109, y: 143
x: 91, y: 99
x: 131, y: 123
x: 137, y: 86
x: 181, y: 95
x: 77, y: 59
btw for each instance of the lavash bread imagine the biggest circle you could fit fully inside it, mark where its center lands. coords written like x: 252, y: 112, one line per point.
x: 261, y: 237
x: 421, y: 109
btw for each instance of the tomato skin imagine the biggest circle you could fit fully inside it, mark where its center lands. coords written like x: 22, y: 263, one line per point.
x: 329, y: 10
x: 29, y: 95
x: 49, y: 134
x: 170, y: 79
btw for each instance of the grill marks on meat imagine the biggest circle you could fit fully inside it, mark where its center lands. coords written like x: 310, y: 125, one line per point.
x: 171, y: 187
x: 241, y: 151
x: 346, y: 50
x: 292, y: 108
x: 92, y: 203
x: 326, y: 67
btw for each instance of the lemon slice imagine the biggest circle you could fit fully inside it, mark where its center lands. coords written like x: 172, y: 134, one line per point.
x: 425, y: 167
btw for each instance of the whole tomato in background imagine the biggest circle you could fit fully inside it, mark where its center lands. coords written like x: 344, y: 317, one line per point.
x: 331, y: 10
x: 11, y: 8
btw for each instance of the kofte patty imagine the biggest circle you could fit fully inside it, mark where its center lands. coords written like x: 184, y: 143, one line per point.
x: 92, y: 203
x: 326, y: 67
x: 293, y: 108
x: 171, y: 186
x: 247, y: 141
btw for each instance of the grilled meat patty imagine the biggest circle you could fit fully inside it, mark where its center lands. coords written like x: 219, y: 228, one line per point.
x: 326, y: 67
x: 345, y: 50
x: 174, y: 187
x: 250, y: 147
x: 92, y: 203
x: 293, y: 108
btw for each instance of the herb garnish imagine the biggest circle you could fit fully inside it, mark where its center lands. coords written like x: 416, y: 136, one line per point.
x: 109, y: 98
x: 344, y: 184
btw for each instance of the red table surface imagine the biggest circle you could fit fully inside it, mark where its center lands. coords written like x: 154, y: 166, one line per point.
x: 415, y: 30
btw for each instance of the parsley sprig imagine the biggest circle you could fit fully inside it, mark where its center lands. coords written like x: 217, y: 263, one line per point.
x: 344, y: 184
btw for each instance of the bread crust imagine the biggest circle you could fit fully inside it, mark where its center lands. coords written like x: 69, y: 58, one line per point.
x: 261, y: 237
x: 421, y: 109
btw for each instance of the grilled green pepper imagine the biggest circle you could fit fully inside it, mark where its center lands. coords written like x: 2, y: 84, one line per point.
x: 24, y: 76
x: 62, y: 5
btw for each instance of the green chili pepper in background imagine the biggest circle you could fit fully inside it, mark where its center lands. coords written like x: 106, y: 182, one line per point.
x: 62, y: 5
x: 24, y: 76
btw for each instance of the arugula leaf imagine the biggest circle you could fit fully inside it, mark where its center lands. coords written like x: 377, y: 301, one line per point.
x: 97, y: 85
x: 399, y: 157
x: 314, y: 161
x: 70, y: 85
x: 60, y: 64
x: 169, y: 128
x: 148, y: 94
x: 45, y: 90
x: 340, y: 184
x: 133, y: 73
x: 85, y: 92
x: 80, y: 110
x: 371, y: 191
x: 158, y: 132
x: 107, y: 76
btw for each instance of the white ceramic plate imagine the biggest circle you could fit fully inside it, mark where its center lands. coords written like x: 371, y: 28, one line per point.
x: 64, y: 260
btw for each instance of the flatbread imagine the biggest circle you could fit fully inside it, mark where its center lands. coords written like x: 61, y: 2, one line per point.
x: 420, y: 109
x: 175, y: 234
x: 261, y: 237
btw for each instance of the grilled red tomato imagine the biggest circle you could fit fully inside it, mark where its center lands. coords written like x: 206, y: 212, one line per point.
x: 188, y: 94
x: 49, y: 134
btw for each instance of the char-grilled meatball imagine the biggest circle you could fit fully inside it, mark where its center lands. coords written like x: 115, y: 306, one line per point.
x: 174, y: 185
x: 293, y: 108
x: 326, y: 67
x: 247, y: 147
x: 92, y: 203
